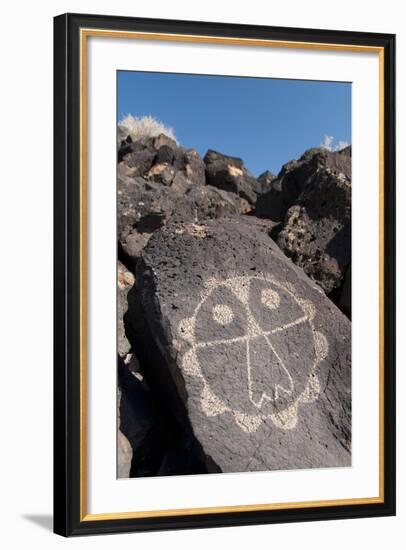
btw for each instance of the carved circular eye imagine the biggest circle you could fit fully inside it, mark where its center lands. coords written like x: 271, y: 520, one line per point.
x: 270, y: 298
x: 222, y: 314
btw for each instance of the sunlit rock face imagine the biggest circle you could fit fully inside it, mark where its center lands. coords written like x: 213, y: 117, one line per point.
x: 248, y: 354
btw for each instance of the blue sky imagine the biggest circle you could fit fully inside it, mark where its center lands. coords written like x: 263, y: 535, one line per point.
x: 266, y: 122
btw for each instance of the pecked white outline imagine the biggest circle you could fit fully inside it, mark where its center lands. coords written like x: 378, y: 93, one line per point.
x: 213, y: 405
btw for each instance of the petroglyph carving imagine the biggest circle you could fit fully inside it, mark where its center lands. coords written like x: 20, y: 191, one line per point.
x: 241, y: 342
x: 223, y: 314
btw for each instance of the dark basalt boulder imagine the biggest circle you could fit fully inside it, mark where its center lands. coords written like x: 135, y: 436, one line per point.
x: 145, y: 205
x: 124, y: 449
x: 150, y: 442
x: 160, y: 181
x: 140, y: 424
x: 161, y: 159
x: 125, y: 280
x: 344, y: 298
x: 242, y: 349
x: 316, y: 233
x: 230, y: 174
x: 265, y: 180
x: 295, y: 176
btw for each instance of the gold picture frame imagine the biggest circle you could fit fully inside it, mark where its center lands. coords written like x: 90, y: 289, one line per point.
x: 71, y: 40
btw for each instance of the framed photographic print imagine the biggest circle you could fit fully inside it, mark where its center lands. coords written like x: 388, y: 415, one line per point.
x: 224, y: 274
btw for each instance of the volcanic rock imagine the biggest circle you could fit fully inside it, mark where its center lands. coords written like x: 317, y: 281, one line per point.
x: 150, y: 441
x: 140, y: 424
x: 295, y: 176
x: 145, y: 205
x: 125, y: 280
x: 242, y: 349
x: 265, y: 180
x: 160, y: 159
x: 124, y: 449
x: 317, y: 230
x: 344, y: 300
x: 230, y: 174
x: 158, y: 181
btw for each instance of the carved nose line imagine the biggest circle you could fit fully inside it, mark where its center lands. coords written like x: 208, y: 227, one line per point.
x: 281, y: 379
x: 253, y: 329
x: 258, y: 396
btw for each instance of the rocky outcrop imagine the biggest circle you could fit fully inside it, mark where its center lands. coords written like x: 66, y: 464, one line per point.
x: 232, y: 357
x: 150, y: 439
x: 242, y: 348
x: 344, y: 294
x: 296, y: 175
x: 311, y: 198
x: 145, y: 206
x: 230, y: 174
x: 266, y: 180
x: 316, y: 233
x: 139, y: 424
x: 125, y: 280
x: 124, y: 449
x: 161, y: 159
x: 159, y: 181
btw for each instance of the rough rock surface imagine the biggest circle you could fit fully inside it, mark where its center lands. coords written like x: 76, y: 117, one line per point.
x: 230, y: 174
x: 140, y: 424
x: 159, y: 181
x: 124, y: 449
x: 144, y: 207
x: 161, y: 159
x: 317, y: 230
x: 150, y: 440
x: 125, y: 280
x: 242, y: 348
x: 344, y: 299
x: 295, y: 176
x: 266, y: 180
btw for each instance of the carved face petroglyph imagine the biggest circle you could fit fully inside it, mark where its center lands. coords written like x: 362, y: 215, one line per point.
x: 252, y: 342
